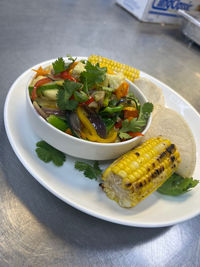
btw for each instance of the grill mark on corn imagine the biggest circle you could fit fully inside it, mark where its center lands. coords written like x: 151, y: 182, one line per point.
x: 162, y: 155
x: 172, y: 158
x: 171, y: 148
x: 153, y: 175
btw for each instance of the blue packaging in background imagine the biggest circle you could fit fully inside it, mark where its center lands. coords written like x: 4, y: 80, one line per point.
x: 159, y: 11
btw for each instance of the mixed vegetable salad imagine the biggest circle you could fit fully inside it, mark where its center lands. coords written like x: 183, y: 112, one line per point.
x: 88, y: 101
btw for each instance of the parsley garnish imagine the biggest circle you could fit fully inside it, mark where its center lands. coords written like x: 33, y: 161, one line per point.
x: 48, y: 153
x: 92, y: 76
x: 64, y: 94
x: 177, y: 185
x: 90, y: 171
x: 137, y: 124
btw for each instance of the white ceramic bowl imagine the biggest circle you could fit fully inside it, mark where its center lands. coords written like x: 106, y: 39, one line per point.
x: 78, y: 147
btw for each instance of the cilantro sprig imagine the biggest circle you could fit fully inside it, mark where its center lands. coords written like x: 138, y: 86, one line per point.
x: 93, y: 75
x: 137, y: 124
x: 90, y: 171
x: 48, y: 153
x: 124, y: 136
x: 177, y: 185
x: 59, y: 65
x: 64, y: 94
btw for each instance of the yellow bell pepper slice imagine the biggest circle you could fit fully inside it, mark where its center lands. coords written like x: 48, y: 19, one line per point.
x: 87, y: 124
x: 110, y: 138
x: 90, y: 132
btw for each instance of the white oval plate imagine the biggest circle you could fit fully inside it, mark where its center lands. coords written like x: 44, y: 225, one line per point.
x: 83, y: 194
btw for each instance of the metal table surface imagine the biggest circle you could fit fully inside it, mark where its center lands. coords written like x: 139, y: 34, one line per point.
x: 38, y: 229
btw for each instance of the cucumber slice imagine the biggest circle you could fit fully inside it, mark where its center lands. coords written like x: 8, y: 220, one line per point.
x: 48, y: 86
x: 50, y: 94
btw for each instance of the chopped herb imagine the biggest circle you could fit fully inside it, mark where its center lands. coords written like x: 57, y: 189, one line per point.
x: 124, y: 136
x: 59, y: 65
x: 64, y: 94
x: 80, y: 96
x: 109, y: 123
x: 48, y: 153
x: 146, y: 110
x: 90, y: 171
x: 177, y: 185
x: 70, y: 58
x: 137, y: 124
x: 92, y: 76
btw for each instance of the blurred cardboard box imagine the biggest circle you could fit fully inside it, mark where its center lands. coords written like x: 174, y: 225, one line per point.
x: 159, y: 11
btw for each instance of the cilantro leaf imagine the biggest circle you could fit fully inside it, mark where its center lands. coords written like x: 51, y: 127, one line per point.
x: 124, y: 136
x: 91, y: 172
x: 92, y: 76
x: 145, y: 111
x: 69, y: 57
x: 71, y: 105
x: 58, y: 65
x: 137, y: 124
x: 64, y: 94
x: 134, y: 125
x: 177, y: 185
x: 48, y: 153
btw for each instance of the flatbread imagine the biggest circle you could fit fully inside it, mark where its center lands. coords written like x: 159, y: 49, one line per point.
x: 152, y: 92
x: 171, y: 125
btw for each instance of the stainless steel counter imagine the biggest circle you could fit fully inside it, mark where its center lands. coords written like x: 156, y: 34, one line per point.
x: 38, y: 229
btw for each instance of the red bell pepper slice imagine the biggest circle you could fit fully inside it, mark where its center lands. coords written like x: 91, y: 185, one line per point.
x: 38, y: 84
x: 66, y: 76
x: 118, y: 125
x: 135, y: 134
x: 90, y: 100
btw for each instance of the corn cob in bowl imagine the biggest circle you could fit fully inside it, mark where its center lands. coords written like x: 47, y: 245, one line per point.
x: 138, y: 173
x: 113, y: 66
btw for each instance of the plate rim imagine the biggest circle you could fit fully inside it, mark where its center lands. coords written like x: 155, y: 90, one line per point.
x: 54, y: 192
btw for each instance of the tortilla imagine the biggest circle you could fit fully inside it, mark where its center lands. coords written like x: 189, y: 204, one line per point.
x: 152, y: 92
x: 171, y: 125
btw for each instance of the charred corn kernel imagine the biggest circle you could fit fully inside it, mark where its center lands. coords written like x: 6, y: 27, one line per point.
x: 129, y: 72
x: 138, y: 173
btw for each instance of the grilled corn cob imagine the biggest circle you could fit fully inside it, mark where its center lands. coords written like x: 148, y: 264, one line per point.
x: 138, y: 173
x: 129, y: 72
